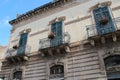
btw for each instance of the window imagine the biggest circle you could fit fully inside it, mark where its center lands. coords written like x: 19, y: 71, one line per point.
x: 57, y: 69
x: 56, y: 29
x: 22, y: 43
x: 112, y: 61
x: 112, y: 64
x: 17, y: 75
x: 23, y: 39
x: 103, y: 20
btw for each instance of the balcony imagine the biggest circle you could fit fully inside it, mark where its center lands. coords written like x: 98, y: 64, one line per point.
x: 107, y: 37
x: 18, y: 55
x: 56, y: 45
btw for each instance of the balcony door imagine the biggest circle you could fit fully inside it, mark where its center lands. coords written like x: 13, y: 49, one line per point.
x: 56, y: 28
x: 22, y: 43
x: 103, y: 20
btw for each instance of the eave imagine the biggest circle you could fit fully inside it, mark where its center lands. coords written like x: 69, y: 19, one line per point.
x: 39, y: 10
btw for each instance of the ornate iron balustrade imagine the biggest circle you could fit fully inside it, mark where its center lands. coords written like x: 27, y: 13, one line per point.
x: 13, y: 52
x: 92, y: 31
x: 45, y: 42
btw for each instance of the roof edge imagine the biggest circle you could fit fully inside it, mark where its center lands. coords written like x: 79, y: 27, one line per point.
x: 41, y: 9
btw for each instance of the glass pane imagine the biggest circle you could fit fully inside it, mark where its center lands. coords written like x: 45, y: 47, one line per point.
x: 57, y: 69
x: 112, y: 61
x: 17, y: 75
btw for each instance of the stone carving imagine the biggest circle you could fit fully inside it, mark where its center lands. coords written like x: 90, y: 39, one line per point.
x: 62, y: 18
x: 107, y: 3
x: 113, y: 68
x: 111, y: 51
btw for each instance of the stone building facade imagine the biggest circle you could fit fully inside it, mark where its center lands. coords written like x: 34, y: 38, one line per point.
x: 2, y: 52
x: 65, y: 40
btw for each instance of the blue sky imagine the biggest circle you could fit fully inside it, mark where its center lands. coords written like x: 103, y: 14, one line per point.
x: 8, y: 11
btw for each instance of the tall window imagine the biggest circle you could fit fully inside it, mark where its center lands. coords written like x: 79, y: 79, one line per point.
x: 103, y: 20
x: 57, y: 69
x: 22, y: 43
x: 17, y: 75
x: 56, y: 29
x: 23, y: 39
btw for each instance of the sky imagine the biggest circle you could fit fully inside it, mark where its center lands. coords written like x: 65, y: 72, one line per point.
x: 8, y: 11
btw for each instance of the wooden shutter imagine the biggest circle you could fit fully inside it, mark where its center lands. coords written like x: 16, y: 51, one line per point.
x: 56, y: 28
x: 59, y: 28
x: 22, y: 43
x: 99, y: 14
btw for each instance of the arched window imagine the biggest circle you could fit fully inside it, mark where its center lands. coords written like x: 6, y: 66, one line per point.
x: 57, y: 69
x: 112, y: 60
x: 112, y: 64
x: 17, y: 75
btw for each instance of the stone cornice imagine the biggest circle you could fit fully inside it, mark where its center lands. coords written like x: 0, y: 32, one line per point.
x: 25, y: 31
x: 62, y: 18
x: 107, y: 3
x: 39, y: 10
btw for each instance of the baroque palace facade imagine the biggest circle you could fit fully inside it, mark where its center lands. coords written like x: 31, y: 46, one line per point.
x: 65, y: 40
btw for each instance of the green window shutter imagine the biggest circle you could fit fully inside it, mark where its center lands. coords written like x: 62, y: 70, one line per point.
x: 59, y: 28
x: 99, y: 15
x: 56, y: 28
x: 23, y: 39
x: 22, y: 43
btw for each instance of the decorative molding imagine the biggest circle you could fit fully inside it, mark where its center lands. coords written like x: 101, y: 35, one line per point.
x: 19, y: 67
x: 101, y: 61
x: 53, y: 62
x: 62, y: 18
x: 116, y: 8
x: 39, y: 10
x: 52, y: 21
x: 86, y: 17
x: 111, y: 51
x: 28, y: 30
x: 14, y: 40
x: 25, y: 31
x: 113, y: 69
x: 108, y: 3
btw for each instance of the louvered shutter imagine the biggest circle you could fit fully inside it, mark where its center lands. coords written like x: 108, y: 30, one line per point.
x: 99, y: 14
x: 22, y: 43
x: 56, y: 28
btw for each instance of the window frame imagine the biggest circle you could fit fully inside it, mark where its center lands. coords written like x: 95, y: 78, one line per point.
x: 16, y: 72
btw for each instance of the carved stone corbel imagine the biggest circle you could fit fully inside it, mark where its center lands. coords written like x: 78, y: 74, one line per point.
x: 21, y: 32
x: 28, y: 30
x: 50, y: 52
x: 114, y: 37
x: 92, y: 42
x: 52, y: 21
x: 103, y: 40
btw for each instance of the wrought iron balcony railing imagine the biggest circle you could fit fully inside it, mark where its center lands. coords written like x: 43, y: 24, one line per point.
x: 23, y: 50
x: 46, y: 43
x: 92, y: 31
